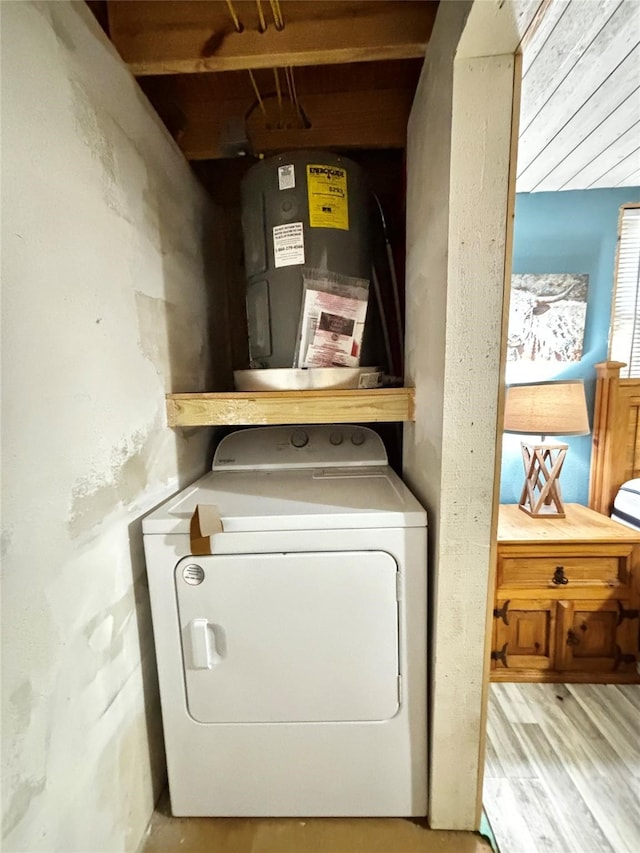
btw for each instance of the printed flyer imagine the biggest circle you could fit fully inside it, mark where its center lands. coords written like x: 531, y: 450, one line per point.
x: 333, y: 317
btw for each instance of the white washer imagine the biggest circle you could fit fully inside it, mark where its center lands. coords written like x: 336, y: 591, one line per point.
x: 292, y: 660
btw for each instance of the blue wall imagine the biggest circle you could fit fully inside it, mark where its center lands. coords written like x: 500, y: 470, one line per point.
x: 567, y: 232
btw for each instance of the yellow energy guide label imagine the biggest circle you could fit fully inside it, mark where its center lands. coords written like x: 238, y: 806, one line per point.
x: 328, y: 198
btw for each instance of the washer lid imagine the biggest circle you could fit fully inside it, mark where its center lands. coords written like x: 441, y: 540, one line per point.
x: 298, y: 499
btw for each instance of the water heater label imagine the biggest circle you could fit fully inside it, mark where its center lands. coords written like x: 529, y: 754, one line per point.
x: 286, y: 177
x: 288, y: 244
x: 328, y: 199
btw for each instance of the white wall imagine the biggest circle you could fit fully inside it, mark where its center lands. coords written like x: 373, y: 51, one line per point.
x: 105, y: 286
x: 458, y: 168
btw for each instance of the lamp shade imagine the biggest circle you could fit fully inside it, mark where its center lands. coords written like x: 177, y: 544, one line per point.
x: 547, y: 408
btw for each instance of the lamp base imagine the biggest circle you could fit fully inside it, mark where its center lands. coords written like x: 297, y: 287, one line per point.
x: 541, y: 497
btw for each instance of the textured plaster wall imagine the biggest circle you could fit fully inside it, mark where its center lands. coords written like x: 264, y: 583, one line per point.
x: 458, y: 166
x: 105, y: 277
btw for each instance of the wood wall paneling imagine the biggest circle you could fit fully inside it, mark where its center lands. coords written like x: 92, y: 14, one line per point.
x: 536, y: 162
x: 217, y: 115
x: 631, y: 180
x: 156, y: 37
x: 548, y: 16
x: 615, y: 176
x: 580, y: 78
x: 579, y: 71
x: 560, y: 52
x: 366, y: 119
x: 613, y: 152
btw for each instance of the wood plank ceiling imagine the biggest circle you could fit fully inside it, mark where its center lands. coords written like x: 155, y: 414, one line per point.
x: 261, y: 76
x: 235, y: 77
x: 580, y: 116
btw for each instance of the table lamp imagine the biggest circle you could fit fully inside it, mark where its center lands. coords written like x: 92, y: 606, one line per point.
x: 545, y: 408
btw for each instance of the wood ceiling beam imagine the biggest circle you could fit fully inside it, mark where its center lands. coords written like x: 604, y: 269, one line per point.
x: 184, y: 37
x: 358, y: 119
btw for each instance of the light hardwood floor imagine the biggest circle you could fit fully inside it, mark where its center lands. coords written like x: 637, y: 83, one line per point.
x: 563, y: 768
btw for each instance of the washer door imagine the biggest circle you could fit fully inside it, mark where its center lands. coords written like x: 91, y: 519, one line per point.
x: 289, y: 637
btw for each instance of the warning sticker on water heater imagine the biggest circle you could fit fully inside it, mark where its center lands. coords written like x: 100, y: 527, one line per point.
x: 328, y: 198
x: 288, y: 244
x: 287, y: 177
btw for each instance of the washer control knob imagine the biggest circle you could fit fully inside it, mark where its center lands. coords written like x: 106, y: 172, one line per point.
x: 336, y: 438
x: 357, y: 438
x: 299, y: 438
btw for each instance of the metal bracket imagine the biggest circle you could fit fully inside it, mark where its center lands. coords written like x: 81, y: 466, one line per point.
x: 626, y: 614
x: 622, y: 658
x: 501, y: 655
x: 501, y: 612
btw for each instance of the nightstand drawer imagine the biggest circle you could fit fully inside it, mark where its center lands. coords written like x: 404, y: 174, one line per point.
x: 557, y: 572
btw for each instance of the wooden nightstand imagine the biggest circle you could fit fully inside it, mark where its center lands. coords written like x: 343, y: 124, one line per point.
x: 567, y: 598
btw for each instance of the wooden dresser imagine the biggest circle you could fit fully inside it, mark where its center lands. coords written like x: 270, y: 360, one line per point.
x: 567, y: 598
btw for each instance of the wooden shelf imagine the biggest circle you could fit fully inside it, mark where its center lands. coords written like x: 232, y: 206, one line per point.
x: 290, y: 407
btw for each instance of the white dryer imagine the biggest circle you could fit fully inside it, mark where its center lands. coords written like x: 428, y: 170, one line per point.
x: 292, y: 659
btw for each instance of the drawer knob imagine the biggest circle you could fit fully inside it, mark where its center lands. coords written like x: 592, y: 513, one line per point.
x: 559, y: 578
x: 572, y: 638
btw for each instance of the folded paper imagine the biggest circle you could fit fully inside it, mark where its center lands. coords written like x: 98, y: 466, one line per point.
x: 205, y: 523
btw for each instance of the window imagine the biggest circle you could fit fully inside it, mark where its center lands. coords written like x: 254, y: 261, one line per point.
x: 624, y: 337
